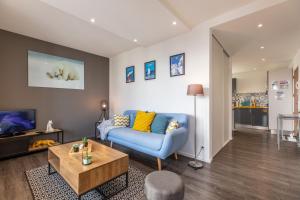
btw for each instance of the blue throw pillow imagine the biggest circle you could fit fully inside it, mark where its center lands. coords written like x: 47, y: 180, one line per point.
x: 131, y: 119
x: 159, y: 124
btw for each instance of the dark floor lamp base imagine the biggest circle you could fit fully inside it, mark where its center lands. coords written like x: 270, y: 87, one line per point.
x: 195, y: 164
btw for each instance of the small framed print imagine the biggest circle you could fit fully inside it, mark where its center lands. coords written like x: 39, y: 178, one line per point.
x: 177, y: 65
x: 130, y: 74
x: 150, y: 70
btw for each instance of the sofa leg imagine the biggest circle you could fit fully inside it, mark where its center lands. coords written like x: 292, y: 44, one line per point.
x: 176, y: 156
x: 111, y: 144
x: 159, y: 164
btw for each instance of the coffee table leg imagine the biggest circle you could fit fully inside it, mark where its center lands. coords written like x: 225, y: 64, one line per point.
x: 49, y: 170
x: 111, y: 195
x: 127, y: 180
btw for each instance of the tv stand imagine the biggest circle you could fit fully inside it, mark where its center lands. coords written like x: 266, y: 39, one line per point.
x: 22, y: 144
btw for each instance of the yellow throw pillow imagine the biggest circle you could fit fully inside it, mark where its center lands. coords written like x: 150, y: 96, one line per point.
x: 143, y: 121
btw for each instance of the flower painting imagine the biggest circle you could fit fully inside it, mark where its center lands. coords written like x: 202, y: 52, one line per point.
x: 46, y: 70
x: 150, y: 70
x: 130, y: 74
x: 177, y: 65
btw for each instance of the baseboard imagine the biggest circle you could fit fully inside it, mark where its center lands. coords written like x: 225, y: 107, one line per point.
x: 189, y: 155
x: 227, y: 142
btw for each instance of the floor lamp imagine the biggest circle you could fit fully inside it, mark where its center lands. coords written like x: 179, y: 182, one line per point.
x: 195, y: 90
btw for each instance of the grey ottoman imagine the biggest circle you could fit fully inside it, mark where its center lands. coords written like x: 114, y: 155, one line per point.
x: 164, y: 185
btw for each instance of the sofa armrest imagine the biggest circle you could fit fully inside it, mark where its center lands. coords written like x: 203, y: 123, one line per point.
x: 173, y: 142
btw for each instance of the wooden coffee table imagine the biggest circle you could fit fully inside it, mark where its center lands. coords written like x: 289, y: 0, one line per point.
x: 107, y: 165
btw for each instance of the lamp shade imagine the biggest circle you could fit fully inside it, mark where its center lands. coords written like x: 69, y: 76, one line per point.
x: 195, y: 90
x: 104, y: 104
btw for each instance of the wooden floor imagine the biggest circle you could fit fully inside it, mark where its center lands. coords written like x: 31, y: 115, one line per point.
x: 249, y: 167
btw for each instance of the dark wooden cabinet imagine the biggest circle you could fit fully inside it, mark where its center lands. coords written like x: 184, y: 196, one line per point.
x: 22, y: 144
x: 255, y: 117
x: 233, y: 85
x: 260, y: 117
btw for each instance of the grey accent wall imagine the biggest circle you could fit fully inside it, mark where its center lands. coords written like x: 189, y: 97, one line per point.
x: 75, y: 111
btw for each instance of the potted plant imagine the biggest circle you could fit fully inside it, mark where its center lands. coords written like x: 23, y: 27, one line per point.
x: 85, y: 142
x: 75, y: 148
x: 86, y: 158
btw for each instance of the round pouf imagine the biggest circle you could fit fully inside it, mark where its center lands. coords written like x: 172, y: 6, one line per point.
x: 164, y: 185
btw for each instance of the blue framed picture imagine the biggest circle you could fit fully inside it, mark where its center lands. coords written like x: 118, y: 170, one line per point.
x: 177, y: 65
x: 150, y: 70
x: 130, y: 74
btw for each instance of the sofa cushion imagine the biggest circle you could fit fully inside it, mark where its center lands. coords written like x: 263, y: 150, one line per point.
x: 131, y: 119
x: 151, y: 140
x: 143, y: 121
x: 159, y: 124
x: 121, y: 120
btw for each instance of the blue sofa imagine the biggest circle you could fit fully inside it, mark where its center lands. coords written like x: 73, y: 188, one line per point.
x: 158, y: 145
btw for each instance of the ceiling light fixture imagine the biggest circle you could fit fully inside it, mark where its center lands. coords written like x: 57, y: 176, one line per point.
x: 135, y: 40
x: 262, y: 47
x: 174, y: 23
x: 263, y: 59
x: 92, y: 20
x: 260, y: 25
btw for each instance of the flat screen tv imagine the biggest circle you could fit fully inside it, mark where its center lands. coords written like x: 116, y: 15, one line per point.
x: 16, y: 122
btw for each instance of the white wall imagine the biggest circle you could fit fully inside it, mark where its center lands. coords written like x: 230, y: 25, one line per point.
x: 251, y: 82
x: 284, y: 106
x: 165, y: 93
x: 296, y: 61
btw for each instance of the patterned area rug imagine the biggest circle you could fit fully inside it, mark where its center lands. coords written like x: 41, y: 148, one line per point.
x: 50, y: 187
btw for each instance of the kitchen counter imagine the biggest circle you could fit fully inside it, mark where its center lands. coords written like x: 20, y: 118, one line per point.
x: 252, y: 107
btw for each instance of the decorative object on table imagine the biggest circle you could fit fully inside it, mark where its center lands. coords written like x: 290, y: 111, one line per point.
x: 150, y: 70
x: 45, y: 70
x: 104, y: 109
x: 85, y: 141
x: 75, y: 148
x: 164, y: 185
x: 177, y: 65
x: 172, y: 126
x: 130, y: 74
x: 121, y: 120
x: 195, y: 90
x: 49, y: 126
x: 40, y: 143
x: 86, y: 157
x: 81, y: 148
x: 143, y: 121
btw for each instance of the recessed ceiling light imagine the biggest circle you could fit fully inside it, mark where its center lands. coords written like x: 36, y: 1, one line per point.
x: 263, y: 59
x: 92, y: 20
x: 262, y: 47
x: 135, y: 40
x: 260, y: 25
x: 254, y: 69
x: 174, y: 23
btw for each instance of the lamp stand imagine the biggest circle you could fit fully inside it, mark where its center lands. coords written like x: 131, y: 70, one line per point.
x: 195, y: 164
x: 103, y: 115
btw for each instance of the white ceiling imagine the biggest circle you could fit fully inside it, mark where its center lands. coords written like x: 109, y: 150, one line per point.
x: 118, y: 22
x: 193, y: 12
x: 280, y: 36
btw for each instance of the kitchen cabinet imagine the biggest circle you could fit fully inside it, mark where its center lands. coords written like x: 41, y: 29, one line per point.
x: 251, y: 117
